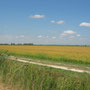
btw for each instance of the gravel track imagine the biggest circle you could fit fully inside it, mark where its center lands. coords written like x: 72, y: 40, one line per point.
x: 53, y: 66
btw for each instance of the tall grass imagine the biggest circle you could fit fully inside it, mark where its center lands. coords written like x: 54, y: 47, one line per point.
x: 25, y: 76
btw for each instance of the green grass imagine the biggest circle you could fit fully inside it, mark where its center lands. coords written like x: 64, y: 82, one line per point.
x: 33, y: 77
x: 44, y: 57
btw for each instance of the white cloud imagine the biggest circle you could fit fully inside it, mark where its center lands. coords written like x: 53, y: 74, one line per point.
x: 16, y: 36
x: 69, y: 32
x: 85, y: 24
x: 60, y: 22
x: 47, y: 36
x: 71, y: 37
x: 37, y: 16
x: 52, y: 21
x: 32, y: 39
x: 57, y: 22
x: 20, y: 36
x: 53, y: 37
x: 78, y: 35
x: 39, y: 36
x: 43, y: 36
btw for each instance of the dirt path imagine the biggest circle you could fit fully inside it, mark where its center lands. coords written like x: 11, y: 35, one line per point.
x: 4, y: 87
x: 51, y: 65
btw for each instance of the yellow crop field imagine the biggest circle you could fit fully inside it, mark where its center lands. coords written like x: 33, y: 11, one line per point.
x: 71, y: 52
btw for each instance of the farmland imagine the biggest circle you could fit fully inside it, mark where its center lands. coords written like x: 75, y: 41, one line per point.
x: 25, y: 76
x: 78, y: 54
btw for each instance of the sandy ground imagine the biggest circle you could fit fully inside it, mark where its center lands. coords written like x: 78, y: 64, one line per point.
x: 6, y: 87
x: 3, y: 87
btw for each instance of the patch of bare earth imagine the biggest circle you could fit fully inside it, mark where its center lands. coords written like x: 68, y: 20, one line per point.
x: 4, y: 87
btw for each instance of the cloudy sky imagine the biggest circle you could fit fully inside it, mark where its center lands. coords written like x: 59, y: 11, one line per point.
x: 45, y: 21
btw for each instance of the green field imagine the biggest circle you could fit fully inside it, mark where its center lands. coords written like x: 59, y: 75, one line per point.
x: 71, y: 54
x: 24, y: 76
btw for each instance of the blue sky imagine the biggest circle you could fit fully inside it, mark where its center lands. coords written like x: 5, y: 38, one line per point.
x: 45, y: 21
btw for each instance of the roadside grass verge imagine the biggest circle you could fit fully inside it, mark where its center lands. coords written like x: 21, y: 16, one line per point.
x: 24, y: 76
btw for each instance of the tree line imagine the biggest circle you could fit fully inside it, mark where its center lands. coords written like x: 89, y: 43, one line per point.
x: 16, y: 44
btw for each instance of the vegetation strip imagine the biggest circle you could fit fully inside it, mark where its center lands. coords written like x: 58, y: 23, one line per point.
x: 67, y: 54
x: 25, y: 76
x: 54, y: 66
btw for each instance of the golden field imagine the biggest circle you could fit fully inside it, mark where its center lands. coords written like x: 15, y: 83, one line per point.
x: 70, y: 52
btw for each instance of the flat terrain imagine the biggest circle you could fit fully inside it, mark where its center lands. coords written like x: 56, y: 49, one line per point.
x: 70, y: 53
x: 77, y: 68
x: 33, y: 74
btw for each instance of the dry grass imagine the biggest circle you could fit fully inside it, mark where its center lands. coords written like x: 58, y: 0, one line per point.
x: 70, y: 52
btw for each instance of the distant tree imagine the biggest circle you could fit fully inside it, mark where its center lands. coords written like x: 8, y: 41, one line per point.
x: 19, y: 44
x: 28, y: 44
x: 13, y: 44
x: 4, y: 44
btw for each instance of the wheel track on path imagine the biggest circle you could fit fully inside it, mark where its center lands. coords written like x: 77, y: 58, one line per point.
x: 51, y: 65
